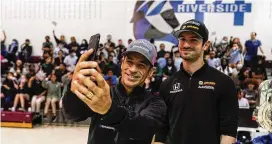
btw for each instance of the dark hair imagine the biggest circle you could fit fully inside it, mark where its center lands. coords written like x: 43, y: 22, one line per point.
x: 60, y: 51
x: 110, y: 56
x: 10, y: 73
x: 31, y: 65
x: 20, y: 67
x: 16, y: 41
x: 110, y: 69
x: 27, y: 40
x: 238, y: 90
x: 85, y: 41
x: 46, y: 52
x: 152, y: 40
x: 234, y: 44
x: 112, y: 45
x: 63, y: 64
x: 255, y: 33
x: 71, y: 51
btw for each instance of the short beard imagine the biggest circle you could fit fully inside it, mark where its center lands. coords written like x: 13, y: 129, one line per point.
x: 192, y: 58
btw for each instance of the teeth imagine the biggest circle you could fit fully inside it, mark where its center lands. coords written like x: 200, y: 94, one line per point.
x: 132, y: 77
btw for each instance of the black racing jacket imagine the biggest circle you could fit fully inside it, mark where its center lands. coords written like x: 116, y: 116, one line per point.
x: 200, y: 107
x: 132, y: 119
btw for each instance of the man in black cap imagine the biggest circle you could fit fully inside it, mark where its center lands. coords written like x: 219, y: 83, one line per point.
x: 202, y: 103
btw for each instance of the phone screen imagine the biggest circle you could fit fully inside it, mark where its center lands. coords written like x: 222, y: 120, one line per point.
x: 94, y: 44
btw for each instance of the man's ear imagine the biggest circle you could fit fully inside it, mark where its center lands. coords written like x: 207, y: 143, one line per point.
x: 151, y: 72
x: 122, y: 62
x: 206, y: 45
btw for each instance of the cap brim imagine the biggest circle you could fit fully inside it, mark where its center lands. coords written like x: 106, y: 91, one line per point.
x: 126, y: 52
x: 178, y: 32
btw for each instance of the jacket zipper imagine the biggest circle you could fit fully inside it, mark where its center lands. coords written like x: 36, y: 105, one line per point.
x: 117, y: 135
x: 190, y: 79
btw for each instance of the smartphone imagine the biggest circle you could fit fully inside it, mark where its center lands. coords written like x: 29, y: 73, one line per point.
x: 94, y: 44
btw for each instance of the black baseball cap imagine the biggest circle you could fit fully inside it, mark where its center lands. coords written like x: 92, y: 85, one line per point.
x: 194, y: 26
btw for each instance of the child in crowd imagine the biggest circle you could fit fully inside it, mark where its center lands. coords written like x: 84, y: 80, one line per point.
x: 53, y: 94
x: 22, y: 93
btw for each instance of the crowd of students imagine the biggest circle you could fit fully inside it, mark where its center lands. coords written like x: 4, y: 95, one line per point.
x: 28, y: 85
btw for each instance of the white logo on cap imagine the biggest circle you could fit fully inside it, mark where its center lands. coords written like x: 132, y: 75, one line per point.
x: 193, y: 22
x: 145, y: 49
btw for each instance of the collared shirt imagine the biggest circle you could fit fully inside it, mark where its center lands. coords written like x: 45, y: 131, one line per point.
x: 201, y: 107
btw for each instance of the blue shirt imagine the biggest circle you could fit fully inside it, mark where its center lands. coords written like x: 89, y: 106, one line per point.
x: 214, y: 62
x: 235, y: 56
x: 161, y: 62
x: 113, y: 79
x: 252, y: 48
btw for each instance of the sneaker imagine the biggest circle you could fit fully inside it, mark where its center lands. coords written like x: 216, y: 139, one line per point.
x: 53, y: 119
x: 22, y: 109
x: 13, y: 109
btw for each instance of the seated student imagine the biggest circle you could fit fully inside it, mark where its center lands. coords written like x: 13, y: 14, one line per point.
x: 251, y: 92
x: 22, y: 93
x: 60, y: 71
x: 48, y: 67
x: 31, y: 71
x: 59, y: 59
x: 258, y: 71
x: 8, y: 91
x: 26, y: 51
x: 44, y: 57
x: 243, y: 102
x: 70, y: 61
x: 18, y: 68
x: 53, y: 94
x: 66, y: 80
x: 234, y: 54
x: 110, y: 78
x: 169, y: 69
x: 38, y: 93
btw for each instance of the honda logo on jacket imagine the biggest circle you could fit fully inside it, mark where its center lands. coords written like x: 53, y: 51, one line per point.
x: 176, y: 88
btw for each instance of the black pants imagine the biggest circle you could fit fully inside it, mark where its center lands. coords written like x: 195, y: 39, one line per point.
x: 12, y: 57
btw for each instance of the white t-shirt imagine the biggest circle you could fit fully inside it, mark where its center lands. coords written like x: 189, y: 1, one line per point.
x: 57, y: 49
x: 177, y: 62
x: 243, y: 103
x: 70, y: 61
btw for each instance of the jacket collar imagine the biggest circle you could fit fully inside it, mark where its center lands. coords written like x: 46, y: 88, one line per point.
x: 198, y: 72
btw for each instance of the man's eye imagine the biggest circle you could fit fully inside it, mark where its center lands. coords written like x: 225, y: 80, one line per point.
x: 129, y: 62
x: 141, y: 66
x: 182, y: 39
x: 193, y: 40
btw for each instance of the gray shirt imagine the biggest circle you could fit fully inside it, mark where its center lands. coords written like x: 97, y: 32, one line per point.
x: 53, y: 89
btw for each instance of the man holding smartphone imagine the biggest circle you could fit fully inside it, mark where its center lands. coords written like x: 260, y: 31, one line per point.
x: 125, y: 114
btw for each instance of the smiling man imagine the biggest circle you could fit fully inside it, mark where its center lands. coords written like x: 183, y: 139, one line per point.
x: 125, y: 114
x: 201, y: 101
